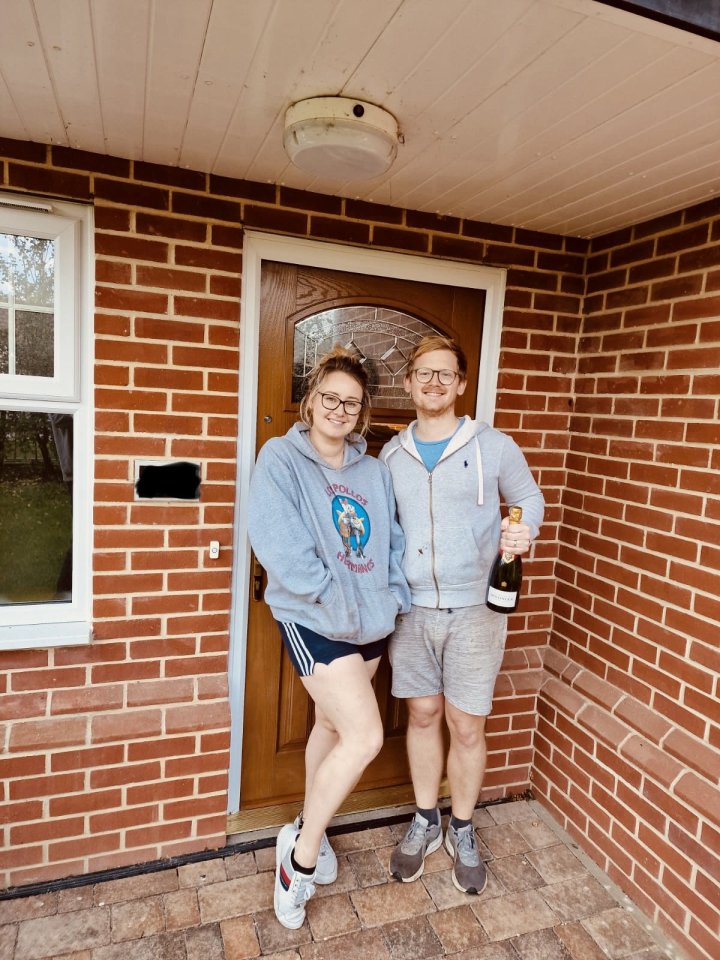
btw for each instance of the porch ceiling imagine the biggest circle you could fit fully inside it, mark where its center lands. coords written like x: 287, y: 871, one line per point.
x: 560, y: 115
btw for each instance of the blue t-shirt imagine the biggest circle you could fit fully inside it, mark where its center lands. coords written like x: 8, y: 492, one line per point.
x: 432, y: 450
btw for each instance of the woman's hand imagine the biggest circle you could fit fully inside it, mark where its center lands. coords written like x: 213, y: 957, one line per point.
x: 515, y: 538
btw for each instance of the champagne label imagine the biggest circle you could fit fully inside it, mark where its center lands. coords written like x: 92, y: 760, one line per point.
x: 502, y: 598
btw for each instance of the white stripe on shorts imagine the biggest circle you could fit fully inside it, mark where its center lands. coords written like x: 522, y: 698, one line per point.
x: 304, y: 657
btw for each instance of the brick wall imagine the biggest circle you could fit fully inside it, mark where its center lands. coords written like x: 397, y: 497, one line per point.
x: 628, y: 741
x: 117, y: 753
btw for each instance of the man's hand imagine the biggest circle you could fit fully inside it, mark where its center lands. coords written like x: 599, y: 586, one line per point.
x: 514, y: 537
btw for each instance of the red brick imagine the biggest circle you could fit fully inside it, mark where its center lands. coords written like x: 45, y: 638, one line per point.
x: 131, y: 194
x: 85, y: 802
x: 47, y: 734
x: 111, y: 218
x: 167, y: 424
x: 122, y: 819
x: 164, y: 747
x: 28, y: 788
x: 345, y: 231
x: 87, y: 758
x: 208, y: 259
x: 130, y: 725
x: 112, y: 298
x: 49, y: 181
x: 47, y: 830
x: 21, y: 812
x: 175, y: 227
x: 200, y: 716
x: 364, y: 210
x: 87, y: 699
x: 129, y: 247
x: 652, y: 760
x: 21, y: 706
x: 204, y: 357
x: 683, y: 239
x: 271, y: 218
x: 169, y: 278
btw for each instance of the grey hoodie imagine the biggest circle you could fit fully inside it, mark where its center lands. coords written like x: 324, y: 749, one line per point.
x: 328, y: 539
x: 451, y: 516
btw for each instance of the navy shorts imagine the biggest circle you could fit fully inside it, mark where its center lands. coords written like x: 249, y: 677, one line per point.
x: 306, y: 648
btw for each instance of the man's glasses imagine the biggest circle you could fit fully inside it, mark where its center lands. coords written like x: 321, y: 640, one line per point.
x: 351, y: 407
x: 425, y: 375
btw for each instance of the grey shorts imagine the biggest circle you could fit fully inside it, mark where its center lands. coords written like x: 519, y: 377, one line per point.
x: 455, y: 652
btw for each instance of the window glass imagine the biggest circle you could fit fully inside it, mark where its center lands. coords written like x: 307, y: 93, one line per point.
x: 36, y: 487
x: 4, y: 340
x: 27, y: 299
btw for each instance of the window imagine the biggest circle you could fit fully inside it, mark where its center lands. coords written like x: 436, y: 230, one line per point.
x: 45, y: 400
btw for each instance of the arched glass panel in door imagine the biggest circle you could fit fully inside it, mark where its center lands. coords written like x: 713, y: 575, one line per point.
x: 381, y: 337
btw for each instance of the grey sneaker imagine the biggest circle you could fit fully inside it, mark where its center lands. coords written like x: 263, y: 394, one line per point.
x: 292, y: 888
x: 326, y: 870
x: 468, y: 872
x: 408, y: 858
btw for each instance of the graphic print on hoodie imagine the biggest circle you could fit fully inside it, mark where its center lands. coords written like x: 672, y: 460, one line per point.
x: 328, y: 539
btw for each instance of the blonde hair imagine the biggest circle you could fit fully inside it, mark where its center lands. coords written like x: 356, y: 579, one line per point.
x: 339, y: 360
x: 437, y: 342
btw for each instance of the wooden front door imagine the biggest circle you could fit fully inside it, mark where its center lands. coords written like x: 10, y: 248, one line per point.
x: 304, y: 311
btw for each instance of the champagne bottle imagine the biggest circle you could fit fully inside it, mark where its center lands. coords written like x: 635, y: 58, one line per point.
x: 506, y: 576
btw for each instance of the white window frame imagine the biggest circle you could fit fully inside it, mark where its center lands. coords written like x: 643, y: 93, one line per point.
x: 70, y: 390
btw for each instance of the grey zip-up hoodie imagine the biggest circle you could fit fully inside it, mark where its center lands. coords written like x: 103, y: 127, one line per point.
x: 328, y: 539
x: 451, y: 515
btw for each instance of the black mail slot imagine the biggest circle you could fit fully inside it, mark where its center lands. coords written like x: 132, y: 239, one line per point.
x: 179, y: 480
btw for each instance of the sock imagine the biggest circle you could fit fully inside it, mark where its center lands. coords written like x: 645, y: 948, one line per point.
x: 458, y: 824
x: 306, y: 871
x: 430, y: 815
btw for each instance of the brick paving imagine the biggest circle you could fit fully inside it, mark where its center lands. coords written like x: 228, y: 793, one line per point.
x: 541, y: 903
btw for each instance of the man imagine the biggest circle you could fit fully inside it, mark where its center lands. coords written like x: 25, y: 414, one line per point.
x: 449, y: 476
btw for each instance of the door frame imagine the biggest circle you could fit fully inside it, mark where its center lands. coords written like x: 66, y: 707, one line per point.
x: 333, y: 256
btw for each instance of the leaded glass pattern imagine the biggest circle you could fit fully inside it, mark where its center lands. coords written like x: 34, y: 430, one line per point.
x: 382, y: 338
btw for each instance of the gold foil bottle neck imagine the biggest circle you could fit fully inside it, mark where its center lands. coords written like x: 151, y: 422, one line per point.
x: 515, y: 514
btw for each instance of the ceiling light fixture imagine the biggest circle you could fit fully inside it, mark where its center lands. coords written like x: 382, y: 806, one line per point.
x: 340, y: 139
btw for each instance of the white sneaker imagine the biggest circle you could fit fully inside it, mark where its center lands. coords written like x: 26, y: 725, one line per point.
x: 326, y: 870
x: 292, y: 888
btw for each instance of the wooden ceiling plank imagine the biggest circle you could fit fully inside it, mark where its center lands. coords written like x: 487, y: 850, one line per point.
x: 121, y: 33
x: 12, y: 125
x: 461, y: 109
x: 622, y: 211
x: 278, y: 59
x: 609, y: 188
x: 407, y: 39
x: 178, y: 34
x: 26, y: 75
x: 624, y: 134
x: 67, y: 39
x: 230, y: 46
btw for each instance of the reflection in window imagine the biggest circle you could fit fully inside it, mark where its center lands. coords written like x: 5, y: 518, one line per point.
x: 36, y: 476
x: 27, y: 299
x: 382, y: 338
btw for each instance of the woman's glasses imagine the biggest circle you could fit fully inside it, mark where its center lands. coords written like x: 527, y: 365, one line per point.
x: 351, y: 407
x: 425, y: 375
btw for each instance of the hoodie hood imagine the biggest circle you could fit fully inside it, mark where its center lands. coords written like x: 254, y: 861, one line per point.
x: 467, y: 433
x: 299, y: 436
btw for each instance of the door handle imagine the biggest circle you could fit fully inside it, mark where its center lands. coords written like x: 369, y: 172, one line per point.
x: 257, y: 579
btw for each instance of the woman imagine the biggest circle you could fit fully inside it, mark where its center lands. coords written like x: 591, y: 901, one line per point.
x: 322, y: 523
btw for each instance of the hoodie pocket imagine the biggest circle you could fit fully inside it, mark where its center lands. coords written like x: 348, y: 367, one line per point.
x: 334, y: 617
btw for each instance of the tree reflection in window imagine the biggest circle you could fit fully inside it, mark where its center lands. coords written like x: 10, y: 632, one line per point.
x: 36, y: 476
x: 27, y: 305
x: 381, y: 337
